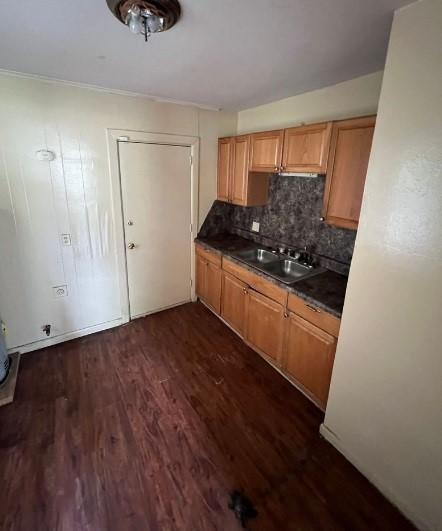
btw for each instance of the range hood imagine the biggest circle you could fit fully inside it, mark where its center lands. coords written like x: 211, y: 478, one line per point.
x: 297, y: 174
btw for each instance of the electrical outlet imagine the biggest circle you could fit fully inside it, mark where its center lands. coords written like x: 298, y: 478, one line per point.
x: 60, y: 291
x: 66, y: 239
x: 255, y: 226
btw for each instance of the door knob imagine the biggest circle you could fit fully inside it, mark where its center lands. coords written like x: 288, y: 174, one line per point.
x: 130, y: 245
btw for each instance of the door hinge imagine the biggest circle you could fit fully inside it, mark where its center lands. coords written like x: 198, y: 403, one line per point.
x: 191, y: 160
x: 191, y: 282
x: 191, y: 228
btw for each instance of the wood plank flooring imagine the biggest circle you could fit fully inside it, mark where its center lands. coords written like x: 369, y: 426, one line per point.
x: 150, y: 426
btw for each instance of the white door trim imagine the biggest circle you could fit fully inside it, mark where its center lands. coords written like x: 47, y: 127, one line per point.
x: 121, y: 135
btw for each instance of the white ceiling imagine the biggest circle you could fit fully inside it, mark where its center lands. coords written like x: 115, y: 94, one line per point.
x: 230, y: 54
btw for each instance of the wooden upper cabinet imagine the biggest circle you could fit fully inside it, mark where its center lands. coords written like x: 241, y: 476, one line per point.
x: 240, y: 170
x: 266, y: 151
x: 225, y: 162
x: 306, y: 148
x: 349, y: 154
x: 265, y: 325
x: 233, y: 304
x: 309, y: 356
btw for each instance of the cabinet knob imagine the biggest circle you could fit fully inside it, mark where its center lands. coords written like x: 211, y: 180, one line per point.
x: 131, y: 246
x: 321, y: 219
x: 277, y: 168
x: 286, y: 315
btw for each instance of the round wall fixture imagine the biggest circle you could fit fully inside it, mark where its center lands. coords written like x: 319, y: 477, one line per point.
x: 146, y: 16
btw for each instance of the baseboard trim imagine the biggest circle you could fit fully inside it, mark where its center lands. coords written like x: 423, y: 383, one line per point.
x: 44, y: 343
x: 334, y: 440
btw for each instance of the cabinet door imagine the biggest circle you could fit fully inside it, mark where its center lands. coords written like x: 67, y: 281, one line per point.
x: 213, y: 287
x: 265, y: 325
x: 306, y: 148
x: 349, y: 155
x: 201, y: 277
x: 225, y: 160
x: 266, y: 151
x: 240, y: 170
x: 234, y: 299
x: 309, y: 356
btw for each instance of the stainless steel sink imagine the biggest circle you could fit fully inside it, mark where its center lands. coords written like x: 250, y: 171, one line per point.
x: 283, y: 269
x: 256, y: 256
x: 289, y: 271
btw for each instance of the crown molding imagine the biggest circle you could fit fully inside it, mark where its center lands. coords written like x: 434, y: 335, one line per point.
x: 97, y: 88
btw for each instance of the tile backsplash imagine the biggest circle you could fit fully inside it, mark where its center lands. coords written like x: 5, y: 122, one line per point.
x: 291, y: 217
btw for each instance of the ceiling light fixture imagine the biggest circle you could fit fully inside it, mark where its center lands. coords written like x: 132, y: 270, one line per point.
x: 146, y: 16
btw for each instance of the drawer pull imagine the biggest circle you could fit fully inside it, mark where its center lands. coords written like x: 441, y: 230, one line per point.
x: 313, y: 309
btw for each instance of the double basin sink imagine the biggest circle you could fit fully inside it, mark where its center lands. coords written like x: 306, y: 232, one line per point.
x: 282, y: 268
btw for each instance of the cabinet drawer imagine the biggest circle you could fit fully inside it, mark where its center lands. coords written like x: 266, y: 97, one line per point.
x: 256, y: 282
x: 210, y: 256
x: 314, y: 315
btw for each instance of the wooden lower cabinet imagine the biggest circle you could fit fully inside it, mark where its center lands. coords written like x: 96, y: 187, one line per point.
x: 265, y: 325
x: 208, y: 283
x: 234, y: 302
x: 213, y: 293
x: 201, y: 277
x: 309, y: 356
x: 300, y: 347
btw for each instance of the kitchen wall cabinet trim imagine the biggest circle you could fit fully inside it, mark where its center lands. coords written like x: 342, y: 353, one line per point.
x: 349, y: 155
x: 266, y: 151
x: 306, y: 148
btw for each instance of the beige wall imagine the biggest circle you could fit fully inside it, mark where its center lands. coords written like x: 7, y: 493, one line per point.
x: 356, y: 97
x: 92, y: 111
x: 39, y: 201
x: 385, y: 405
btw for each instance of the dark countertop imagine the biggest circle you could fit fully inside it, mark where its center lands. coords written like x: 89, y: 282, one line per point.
x: 325, y: 290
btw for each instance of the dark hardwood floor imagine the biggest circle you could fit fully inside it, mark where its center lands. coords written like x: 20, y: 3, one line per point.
x: 150, y: 426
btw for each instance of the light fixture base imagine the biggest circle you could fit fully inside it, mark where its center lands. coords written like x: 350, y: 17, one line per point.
x: 168, y: 10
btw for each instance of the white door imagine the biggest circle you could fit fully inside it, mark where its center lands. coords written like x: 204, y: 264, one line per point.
x: 156, y: 191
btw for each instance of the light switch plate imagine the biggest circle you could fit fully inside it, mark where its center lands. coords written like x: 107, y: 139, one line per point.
x: 255, y: 226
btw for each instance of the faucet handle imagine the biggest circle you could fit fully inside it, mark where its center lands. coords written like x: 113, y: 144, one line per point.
x: 293, y: 253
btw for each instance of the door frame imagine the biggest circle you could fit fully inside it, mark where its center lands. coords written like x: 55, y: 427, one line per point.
x: 114, y: 136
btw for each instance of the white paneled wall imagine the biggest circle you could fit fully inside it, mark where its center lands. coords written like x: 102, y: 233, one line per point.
x: 40, y: 201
